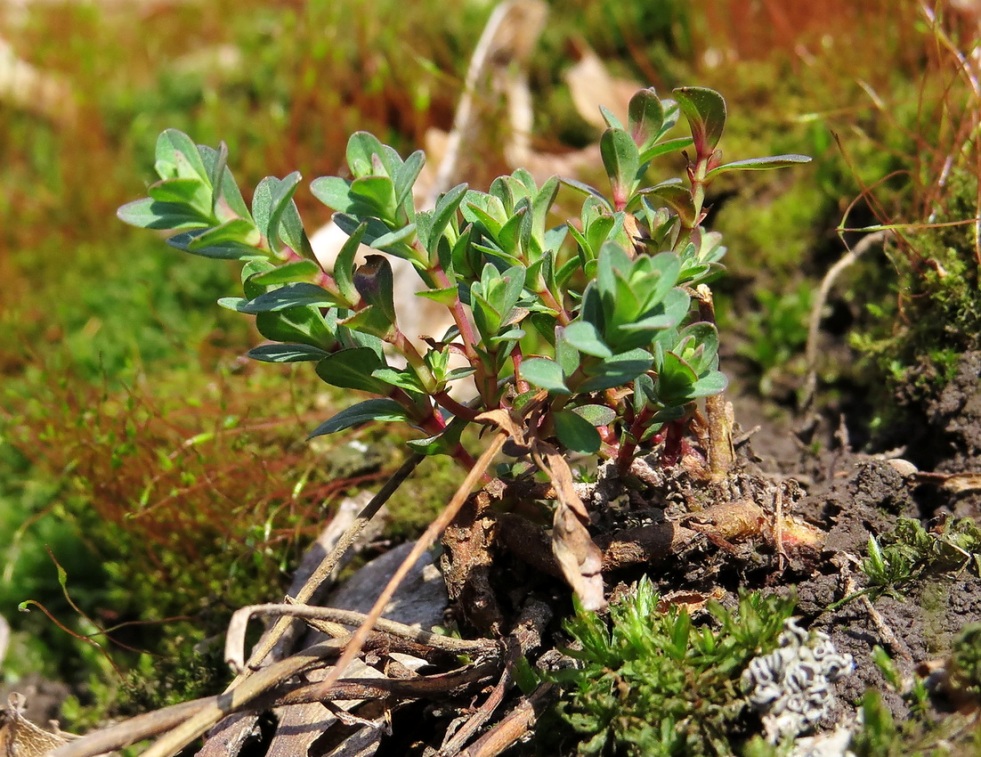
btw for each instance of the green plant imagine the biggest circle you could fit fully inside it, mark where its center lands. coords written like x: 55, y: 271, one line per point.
x: 909, y: 551
x: 597, y: 349
x: 650, y: 682
x: 490, y: 260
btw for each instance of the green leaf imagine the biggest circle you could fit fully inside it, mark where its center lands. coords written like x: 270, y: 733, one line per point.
x: 585, y: 338
x: 597, y: 415
x: 262, y: 201
x: 621, y: 160
x: 545, y: 374
x: 442, y: 443
x: 276, y: 215
x: 394, y: 241
x: 675, y: 380
x: 305, y: 325
x: 334, y: 192
x: 344, y: 266
x: 298, y: 270
x: 512, y: 235
x: 192, y: 192
x: 645, y: 117
x: 676, y: 197
x: 566, y: 355
x: 540, y: 207
x: 376, y: 230
x: 361, y: 146
x: 486, y: 317
x: 759, y: 164
x: 705, y: 110
x: 364, y: 412
x: 236, y: 232
x: 216, y: 170
x: 177, y: 155
x: 223, y: 251
x: 287, y: 353
x: 405, y: 379
x: 611, y: 120
x: 714, y: 382
x: 228, y: 202
x: 587, y: 190
x: 664, y: 148
x: 406, y: 178
x: 445, y: 296
x: 149, y: 214
x: 378, y: 193
x: 288, y: 296
x: 352, y: 369
x: 376, y: 285
x: 372, y: 321
x: 282, y: 200
x: 671, y: 311
x: 576, y: 433
x: 474, y: 213
x: 446, y: 206
x: 618, y: 370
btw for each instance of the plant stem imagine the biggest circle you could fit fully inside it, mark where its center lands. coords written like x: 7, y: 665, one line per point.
x: 721, y: 452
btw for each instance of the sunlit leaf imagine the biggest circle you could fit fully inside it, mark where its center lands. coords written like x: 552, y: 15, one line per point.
x: 384, y: 410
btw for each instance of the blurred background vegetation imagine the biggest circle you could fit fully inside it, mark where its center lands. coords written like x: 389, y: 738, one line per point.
x: 169, y: 480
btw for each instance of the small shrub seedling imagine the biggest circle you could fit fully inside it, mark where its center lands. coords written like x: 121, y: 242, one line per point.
x: 597, y: 347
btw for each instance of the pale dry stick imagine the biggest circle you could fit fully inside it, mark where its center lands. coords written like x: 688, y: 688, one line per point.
x: 721, y: 451
x: 512, y: 28
x: 778, y: 528
x: 513, y: 726
x: 218, y: 707
x: 888, y: 636
x: 424, y: 542
x: 326, y: 566
x: 260, y: 681
x: 814, y: 323
x: 483, y: 713
x: 235, y: 638
x: 154, y: 723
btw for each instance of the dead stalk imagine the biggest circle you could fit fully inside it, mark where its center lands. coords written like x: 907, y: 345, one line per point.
x: 235, y: 638
x: 261, y: 680
x: 326, y: 567
x: 437, y: 527
x: 721, y: 452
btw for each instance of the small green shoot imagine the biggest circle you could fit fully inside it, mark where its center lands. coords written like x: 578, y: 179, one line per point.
x: 651, y: 682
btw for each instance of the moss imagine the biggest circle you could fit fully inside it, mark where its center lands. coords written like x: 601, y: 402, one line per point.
x: 915, y: 339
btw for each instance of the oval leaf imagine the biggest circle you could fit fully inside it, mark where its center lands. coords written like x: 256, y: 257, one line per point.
x: 286, y: 353
x: 545, y: 374
x: 576, y: 433
x: 620, y: 158
x: 363, y: 412
x: 705, y: 110
x: 645, y: 117
x: 759, y: 164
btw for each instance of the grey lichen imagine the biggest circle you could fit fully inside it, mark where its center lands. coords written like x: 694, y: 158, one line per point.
x: 791, y: 686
